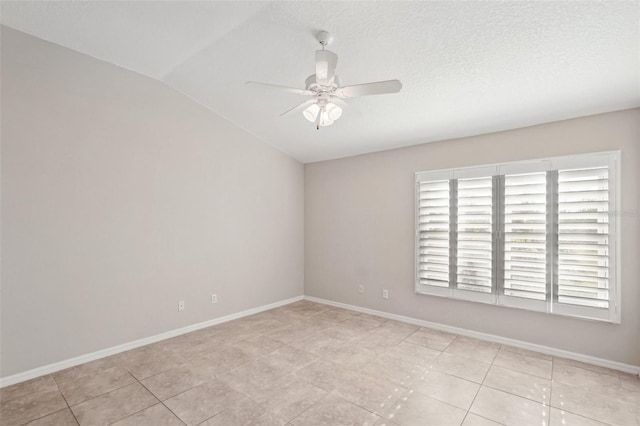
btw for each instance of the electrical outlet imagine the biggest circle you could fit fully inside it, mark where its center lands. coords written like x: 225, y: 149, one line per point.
x: 385, y: 294
x: 214, y: 298
x: 180, y: 305
x: 361, y: 289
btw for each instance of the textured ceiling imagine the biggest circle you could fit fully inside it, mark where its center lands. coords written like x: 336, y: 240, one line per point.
x: 466, y: 67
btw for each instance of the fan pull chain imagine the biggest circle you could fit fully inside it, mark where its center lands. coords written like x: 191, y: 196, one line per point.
x: 319, y: 117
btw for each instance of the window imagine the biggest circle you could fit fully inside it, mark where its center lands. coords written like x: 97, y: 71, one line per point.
x: 538, y: 235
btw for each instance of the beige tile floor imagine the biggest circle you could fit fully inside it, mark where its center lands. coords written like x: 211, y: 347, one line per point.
x: 310, y: 364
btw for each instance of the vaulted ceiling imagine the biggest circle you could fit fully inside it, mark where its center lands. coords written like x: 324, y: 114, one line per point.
x: 466, y: 67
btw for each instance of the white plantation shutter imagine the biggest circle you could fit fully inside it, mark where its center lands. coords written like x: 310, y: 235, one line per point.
x: 474, y: 238
x: 583, y: 237
x: 525, y: 235
x: 536, y: 235
x: 433, y: 233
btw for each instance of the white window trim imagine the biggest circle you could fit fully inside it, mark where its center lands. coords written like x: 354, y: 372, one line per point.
x: 613, y: 314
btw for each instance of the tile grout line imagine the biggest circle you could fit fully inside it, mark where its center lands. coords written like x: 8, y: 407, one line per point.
x: 553, y: 366
x: 105, y: 393
x: 320, y: 358
x: 209, y: 418
x: 65, y: 400
x: 543, y: 350
x: 216, y: 377
x: 357, y: 405
x: 247, y: 396
x: 366, y: 333
x: 518, y: 371
x: 49, y: 414
x: 159, y: 401
x: 430, y: 369
x: 144, y: 342
x: 258, y: 358
x: 327, y: 393
x: 537, y: 402
x: 529, y: 399
x: 136, y: 380
x: 481, y: 386
x: 310, y: 406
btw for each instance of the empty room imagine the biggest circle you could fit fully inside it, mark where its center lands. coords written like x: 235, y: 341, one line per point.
x: 304, y: 213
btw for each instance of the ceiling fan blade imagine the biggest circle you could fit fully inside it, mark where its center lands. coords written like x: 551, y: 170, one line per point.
x: 336, y: 100
x: 377, y: 88
x: 279, y: 88
x: 300, y: 107
x: 326, y: 63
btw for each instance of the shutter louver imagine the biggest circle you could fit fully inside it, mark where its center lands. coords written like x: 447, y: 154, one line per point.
x: 583, y: 237
x: 525, y: 235
x: 474, y: 258
x: 433, y: 222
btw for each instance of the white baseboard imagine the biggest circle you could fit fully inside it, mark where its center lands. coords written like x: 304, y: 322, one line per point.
x: 57, y: 366
x: 614, y: 365
x: 52, y: 368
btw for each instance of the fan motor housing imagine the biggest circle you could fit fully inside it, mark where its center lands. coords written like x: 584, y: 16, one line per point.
x: 311, y: 84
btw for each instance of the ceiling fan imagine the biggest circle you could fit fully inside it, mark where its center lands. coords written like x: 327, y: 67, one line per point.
x: 325, y: 106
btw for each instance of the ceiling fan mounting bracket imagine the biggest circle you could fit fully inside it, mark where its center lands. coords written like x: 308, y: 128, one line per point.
x: 324, y: 38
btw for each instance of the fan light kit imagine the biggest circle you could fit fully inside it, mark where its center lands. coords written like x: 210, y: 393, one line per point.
x: 326, y: 104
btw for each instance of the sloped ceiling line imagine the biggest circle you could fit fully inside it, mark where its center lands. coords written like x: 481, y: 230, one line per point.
x: 207, y: 43
x: 466, y: 67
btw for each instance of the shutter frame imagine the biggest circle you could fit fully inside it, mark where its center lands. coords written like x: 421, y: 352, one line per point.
x: 576, y: 251
x: 610, y: 161
x: 422, y: 285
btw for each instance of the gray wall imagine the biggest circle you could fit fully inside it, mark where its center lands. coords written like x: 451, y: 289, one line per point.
x: 121, y: 196
x: 359, y: 227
